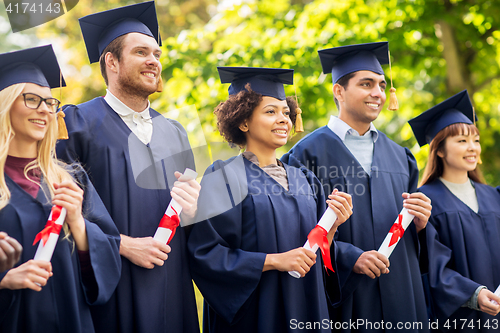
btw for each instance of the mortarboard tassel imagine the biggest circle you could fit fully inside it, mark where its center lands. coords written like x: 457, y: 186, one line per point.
x: 299, y: 125
x: 393, y: 99
x: 62, y: 131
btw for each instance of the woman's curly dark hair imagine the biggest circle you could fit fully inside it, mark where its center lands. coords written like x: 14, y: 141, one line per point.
x: 238, y: 108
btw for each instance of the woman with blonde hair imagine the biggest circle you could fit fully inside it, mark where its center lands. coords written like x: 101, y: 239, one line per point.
x: 464, y: 230
x: 40, y: 295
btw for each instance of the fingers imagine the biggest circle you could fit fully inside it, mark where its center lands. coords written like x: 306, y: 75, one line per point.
x: 341, y: 204
x: 186, y: 191
x: 10, y: 252
x: 372, y: 264
x: 486, y: 305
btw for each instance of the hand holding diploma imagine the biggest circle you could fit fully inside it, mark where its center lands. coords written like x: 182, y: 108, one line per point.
x: 339, y: 205
x: 183, y: 196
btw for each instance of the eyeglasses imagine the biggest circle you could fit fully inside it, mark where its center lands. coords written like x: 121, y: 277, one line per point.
x: 33, y: 101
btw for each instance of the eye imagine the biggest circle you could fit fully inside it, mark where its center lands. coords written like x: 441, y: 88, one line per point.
x: 141, y: 52
x: 157, y: 56
x: 383, y: 87
x: 270, y: 111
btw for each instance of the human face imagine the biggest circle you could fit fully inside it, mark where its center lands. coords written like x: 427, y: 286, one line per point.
x: 139, y: 67
x: 362, y: 100
x: 30, y: 125
x: 269, y: 126
x: 460, y: 155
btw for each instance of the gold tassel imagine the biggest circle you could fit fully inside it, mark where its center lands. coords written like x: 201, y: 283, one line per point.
x: 160, y: 85
x: 299, y: 126
x: 393, y: 99
x: 62, y: 131
x: 479, y: 160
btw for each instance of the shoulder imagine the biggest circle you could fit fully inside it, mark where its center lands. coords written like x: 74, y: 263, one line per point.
x: 311, y: 138
x: 163, y: 121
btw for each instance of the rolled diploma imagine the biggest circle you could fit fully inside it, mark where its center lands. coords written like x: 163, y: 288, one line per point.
x: 45, y: 252
x: 163, y: 234
x: 326, y: 222
x: 385, y: 249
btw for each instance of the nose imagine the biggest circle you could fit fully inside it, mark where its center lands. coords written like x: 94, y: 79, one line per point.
x: 44, y: 107
x: 152, y: 60
x: 377, y: 92
x: 282, y: 118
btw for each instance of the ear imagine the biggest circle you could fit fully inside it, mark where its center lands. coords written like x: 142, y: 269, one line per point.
x: 244, y: 126
x: 338, y: 92
x: 440, y: 153
x: 111, y: 62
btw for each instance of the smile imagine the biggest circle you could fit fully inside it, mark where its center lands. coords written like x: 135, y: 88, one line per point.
x: 38, y: 121
x: 470, y: 158
x: 149, y: 74
x: 280, y: 131
x: 373, y: 105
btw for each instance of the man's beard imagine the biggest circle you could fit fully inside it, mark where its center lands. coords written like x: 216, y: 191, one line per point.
x: 132, y: 88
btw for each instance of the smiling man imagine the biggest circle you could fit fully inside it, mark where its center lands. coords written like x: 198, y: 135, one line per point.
x: 131, y: 154
x: 352, y: 155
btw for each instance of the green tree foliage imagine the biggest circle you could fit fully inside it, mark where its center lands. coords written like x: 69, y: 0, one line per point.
x: 438, y: 48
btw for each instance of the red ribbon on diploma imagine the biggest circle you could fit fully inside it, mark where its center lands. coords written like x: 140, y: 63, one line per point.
x: 397, y: 231
x: 318, y: 236
x: 51, y: 227
x: 170, y: 222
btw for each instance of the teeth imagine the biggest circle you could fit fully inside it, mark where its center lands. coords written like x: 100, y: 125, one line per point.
x: 280, y: 131
x: 148, y: 74
x: 37, y: 121
x: 373, y: 105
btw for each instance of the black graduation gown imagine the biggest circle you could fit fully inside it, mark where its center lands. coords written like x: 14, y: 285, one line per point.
x: 397, y: 297
x: 465, y: 249
x: 228, y: 253
x: 135, y: 190
x: 63, y: 304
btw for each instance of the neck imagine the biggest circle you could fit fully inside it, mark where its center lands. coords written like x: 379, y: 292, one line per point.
x: 266, y: 157
x: 133, y: 101
x: 358, y: 126
x: 23, y: 149
x: 455, y: 176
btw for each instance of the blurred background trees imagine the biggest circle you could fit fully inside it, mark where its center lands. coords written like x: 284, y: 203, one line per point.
x: 438, y: 48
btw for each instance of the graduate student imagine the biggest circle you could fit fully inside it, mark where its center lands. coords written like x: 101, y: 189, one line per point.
x: 10, y: 251
x: 37, y: 295
x: 132, y: 153
x: 465, y: 222
x: 240, y: 257
x: 352, y: 155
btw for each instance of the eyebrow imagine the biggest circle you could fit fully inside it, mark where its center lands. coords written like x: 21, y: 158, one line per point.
x: 144, y: 47
x: 371, y: 80
x: 276, y: 106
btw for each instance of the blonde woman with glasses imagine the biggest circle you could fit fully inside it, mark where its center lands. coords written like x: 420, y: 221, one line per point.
x: 38, y: 295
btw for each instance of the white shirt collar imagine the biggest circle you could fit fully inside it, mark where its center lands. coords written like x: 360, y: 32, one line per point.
x: 122, y: 109
x: 341, y: 128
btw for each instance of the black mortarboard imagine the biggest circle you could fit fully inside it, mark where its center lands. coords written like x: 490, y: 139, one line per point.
x: 35, y: 65
x: 265, y: 81
x: 456, y: 109
x: 102, y: 28
x: 348, y: 59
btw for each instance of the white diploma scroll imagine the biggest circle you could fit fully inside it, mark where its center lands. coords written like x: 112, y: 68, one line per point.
x: 173, y: 212
x: 326, y: 222
x: 46, y: 249
x: 387, y: 246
